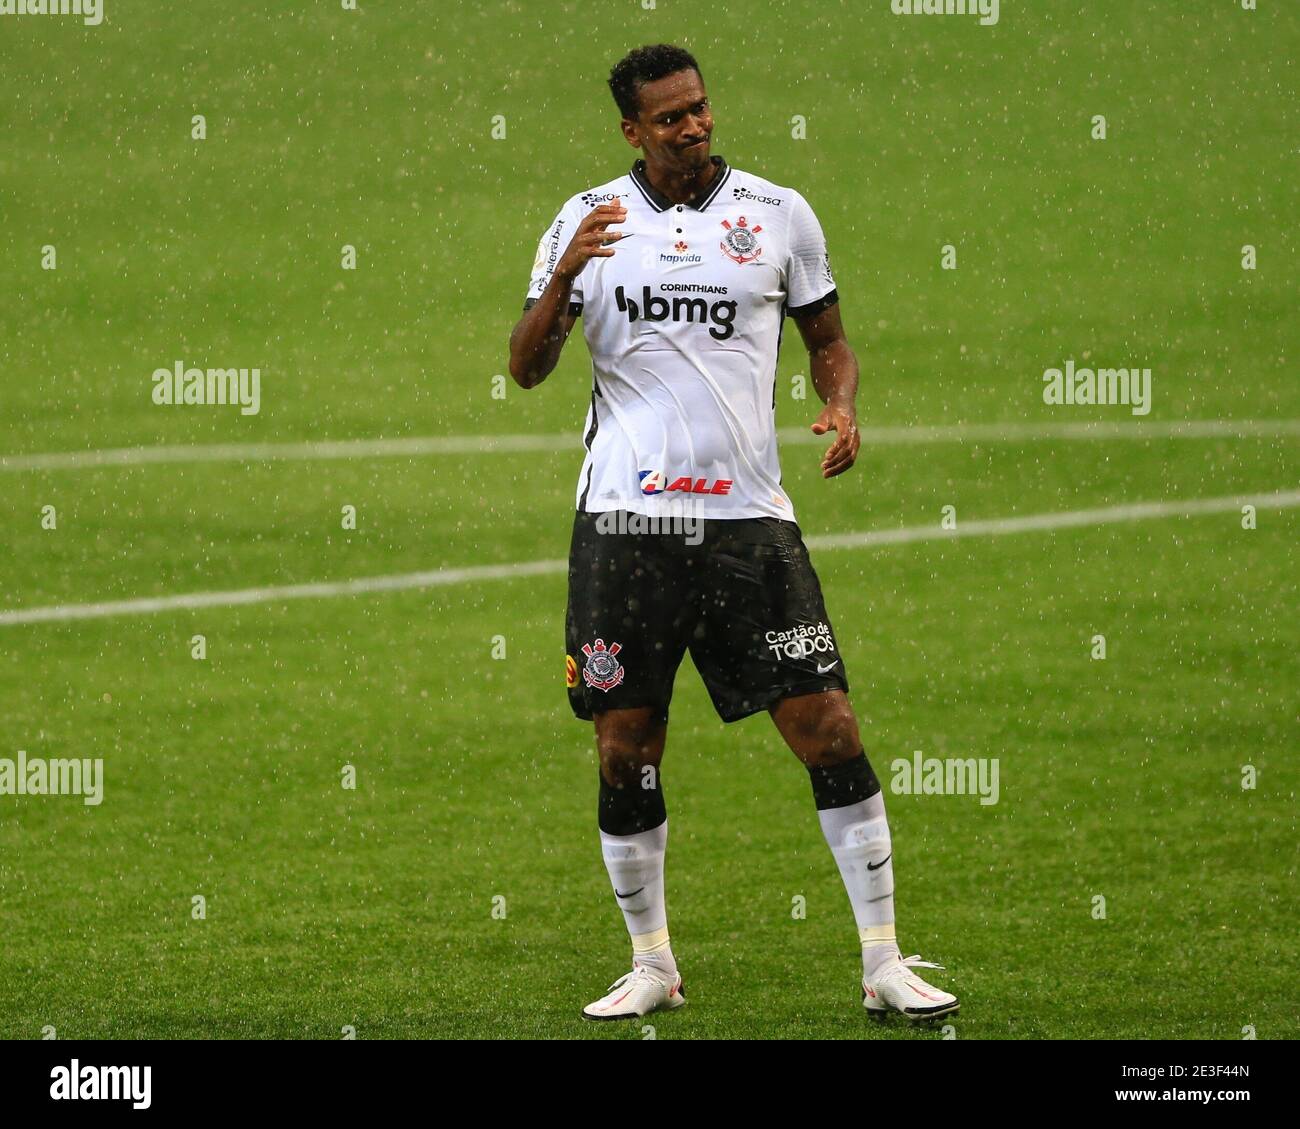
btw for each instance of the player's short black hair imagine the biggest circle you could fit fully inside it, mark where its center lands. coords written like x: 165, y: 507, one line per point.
x: 646, y: 64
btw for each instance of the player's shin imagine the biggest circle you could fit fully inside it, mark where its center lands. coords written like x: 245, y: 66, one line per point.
x: 633, y: 840
x: 851, y: 809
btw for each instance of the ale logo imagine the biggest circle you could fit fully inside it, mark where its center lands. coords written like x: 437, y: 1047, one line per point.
x: 656, y: 482
x: 570, y: 672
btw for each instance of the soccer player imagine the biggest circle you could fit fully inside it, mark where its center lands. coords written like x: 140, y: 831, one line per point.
x: 683, y: 271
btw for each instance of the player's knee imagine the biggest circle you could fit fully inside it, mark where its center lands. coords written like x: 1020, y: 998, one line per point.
x: 628, y: 747
x: 827, y: 736
x: 620, y: 765
x: 631, y: 797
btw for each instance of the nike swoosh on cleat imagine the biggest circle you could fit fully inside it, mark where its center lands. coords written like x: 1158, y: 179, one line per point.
x: 881, y: 862
x: 823, y: 669
x: 638, y: 890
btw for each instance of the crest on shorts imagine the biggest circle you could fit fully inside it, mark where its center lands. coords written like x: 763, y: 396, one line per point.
x: 740, y: 244
x: 602, y: 670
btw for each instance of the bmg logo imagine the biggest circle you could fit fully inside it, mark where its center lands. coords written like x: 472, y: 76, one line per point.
x: 722, y: 314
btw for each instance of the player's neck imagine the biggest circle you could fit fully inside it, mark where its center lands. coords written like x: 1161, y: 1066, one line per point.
x: 681, y: 187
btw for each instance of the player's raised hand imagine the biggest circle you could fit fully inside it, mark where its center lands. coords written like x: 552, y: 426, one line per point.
x: 591, y: 239
x: 841, y: 454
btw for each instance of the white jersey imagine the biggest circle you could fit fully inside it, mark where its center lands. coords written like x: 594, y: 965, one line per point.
x: 683, y: 323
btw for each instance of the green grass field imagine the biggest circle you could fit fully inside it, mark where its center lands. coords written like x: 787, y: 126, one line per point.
x: 373, y: 907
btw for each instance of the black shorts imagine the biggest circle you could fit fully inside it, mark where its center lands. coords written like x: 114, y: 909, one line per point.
x: 744, y: 600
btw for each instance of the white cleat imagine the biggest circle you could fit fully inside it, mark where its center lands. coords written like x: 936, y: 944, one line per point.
x: 640, y: 992
x: 895, y: 987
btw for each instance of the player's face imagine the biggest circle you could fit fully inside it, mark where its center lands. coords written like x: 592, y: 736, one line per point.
x: 675, y: 122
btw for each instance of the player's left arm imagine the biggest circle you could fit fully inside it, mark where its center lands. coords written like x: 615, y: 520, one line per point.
x: 834, y: 370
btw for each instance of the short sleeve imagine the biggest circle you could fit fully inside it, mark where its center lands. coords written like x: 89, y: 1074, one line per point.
x: 810, y: 286
x: 554, y: 241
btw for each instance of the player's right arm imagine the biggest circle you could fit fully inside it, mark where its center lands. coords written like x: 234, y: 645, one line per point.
x: 540, y: 334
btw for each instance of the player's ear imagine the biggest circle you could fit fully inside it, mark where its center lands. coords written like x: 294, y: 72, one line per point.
x: 632, y: 133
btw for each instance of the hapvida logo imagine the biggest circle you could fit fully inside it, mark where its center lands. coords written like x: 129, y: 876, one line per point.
x: 722, y: 314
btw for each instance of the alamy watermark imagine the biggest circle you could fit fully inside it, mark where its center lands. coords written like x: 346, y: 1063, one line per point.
x: 987, y: 10
x: 950, y: 776
x: 1105, y: 386
x: 90, y: 11
x: 181, y: 385
x: 676, y: 517
x: 76, y: 1082
x: 36, y: 776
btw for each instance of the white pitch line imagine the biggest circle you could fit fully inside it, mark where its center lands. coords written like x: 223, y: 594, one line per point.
x: 431, y: 578
x: 418, y: 446
x: 1069, y: 519
x: 443, y: 577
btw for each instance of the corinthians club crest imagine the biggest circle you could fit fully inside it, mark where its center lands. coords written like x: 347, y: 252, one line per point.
x: 602, y: 670
x: 740, y: 244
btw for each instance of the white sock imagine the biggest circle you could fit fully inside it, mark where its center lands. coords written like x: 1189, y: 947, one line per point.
x: 858, y: 836
x: 636, y: 870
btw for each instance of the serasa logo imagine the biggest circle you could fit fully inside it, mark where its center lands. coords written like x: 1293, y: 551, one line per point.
x: 743, y: 193
x: 590, y: 198
x: 656, y: 482
x: 679, y: 309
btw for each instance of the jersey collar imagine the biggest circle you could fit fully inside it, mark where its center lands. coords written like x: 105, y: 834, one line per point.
x: 660, y: 203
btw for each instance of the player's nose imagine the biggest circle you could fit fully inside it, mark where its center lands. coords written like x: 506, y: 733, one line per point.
x: 697, y: 127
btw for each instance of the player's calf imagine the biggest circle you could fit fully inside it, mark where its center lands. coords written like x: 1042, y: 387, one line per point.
x: 851, y: 810
x: 634, y: 838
